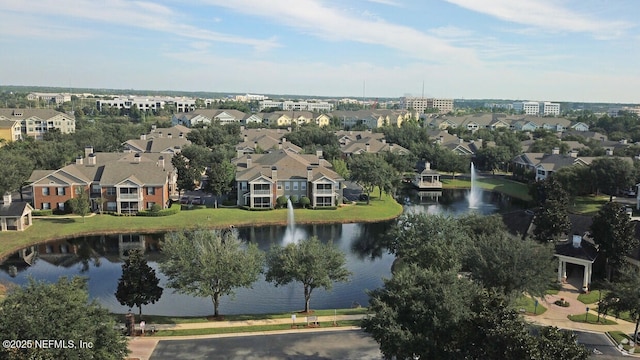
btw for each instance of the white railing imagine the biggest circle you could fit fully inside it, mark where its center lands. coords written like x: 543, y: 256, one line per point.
x: 137, y: 196
x: 261, y: 192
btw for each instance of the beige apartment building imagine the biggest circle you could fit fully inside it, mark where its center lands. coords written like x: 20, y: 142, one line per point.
x: 36, y: 122
x: 421, y: 104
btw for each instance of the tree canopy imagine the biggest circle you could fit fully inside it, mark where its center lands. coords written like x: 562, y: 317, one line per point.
x: 209, y: 263
x: 60, y: 311
x: 552, y: 218
x: 309, y: 261
x: 138, y: 284
x: 614, y: 234
x: 370, y: 170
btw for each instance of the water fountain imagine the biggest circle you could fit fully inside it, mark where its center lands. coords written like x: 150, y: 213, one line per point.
x: 475, y: 194
x: 289, y: 236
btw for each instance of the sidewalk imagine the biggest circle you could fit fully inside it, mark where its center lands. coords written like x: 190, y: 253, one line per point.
x: 142, y: 346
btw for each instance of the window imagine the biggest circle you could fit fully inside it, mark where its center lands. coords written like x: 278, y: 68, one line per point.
x: 287, y: 186
x: 150, y: 204
x: 45, y: 191
x: 111, y: 206
x: 46, y: 206
x: 61, y: 206
x: 303, y: 185
x: 295, y: 185
x: 151, y: 190
x: 111, y: 191
x: 60, y: 191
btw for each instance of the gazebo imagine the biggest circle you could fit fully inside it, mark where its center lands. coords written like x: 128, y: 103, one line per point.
x: 14, y: 215
x: 579, y: 252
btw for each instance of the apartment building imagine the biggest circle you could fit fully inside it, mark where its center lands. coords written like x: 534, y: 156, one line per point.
x: 289, y: 105
x: 262, y: 178
x: 117, y: 182
x: 36, y: 122
x: 10, y: 130
x: 421, y: 104
x: 537, y: 108
x: 57, y: 98
x: 146, y: 103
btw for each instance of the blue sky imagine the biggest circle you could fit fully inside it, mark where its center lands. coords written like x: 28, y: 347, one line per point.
x: 557, y: 50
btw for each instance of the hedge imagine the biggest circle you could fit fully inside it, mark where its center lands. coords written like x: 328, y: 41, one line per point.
x: 46, y: 212
x: 174, y: 209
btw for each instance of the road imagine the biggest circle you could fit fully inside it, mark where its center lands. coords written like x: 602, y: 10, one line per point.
x: 346, y: 344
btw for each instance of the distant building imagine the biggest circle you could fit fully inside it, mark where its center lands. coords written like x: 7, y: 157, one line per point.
x: 537, y: 108
x: 58, y: 98
x: 289, y: 105
x: 10, y: 130
x: 147, y: 103
x: 421, y: 104
x: 36, y: 122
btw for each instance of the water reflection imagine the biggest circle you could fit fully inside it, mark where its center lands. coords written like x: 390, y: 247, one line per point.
x: 100, y: 259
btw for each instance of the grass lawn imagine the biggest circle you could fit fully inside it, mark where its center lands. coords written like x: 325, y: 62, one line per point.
x: 587, y: 205
x: 238, y: 329
x: 528, y: 304
x: 591, y: 319
x: 157, y: 319
x: 502, y: 185
x: 590, y: 298
x: 49, y: 228
x: 621, y: 338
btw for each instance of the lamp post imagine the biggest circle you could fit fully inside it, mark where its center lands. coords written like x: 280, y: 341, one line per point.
x: 586, y: 314
x: 535, y: 307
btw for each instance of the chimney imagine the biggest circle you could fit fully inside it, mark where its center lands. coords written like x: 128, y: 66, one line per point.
x: 280, y: 145
x: 391, y: 147
x: 79, y: 160
x: 153, y: 127
x: 274, y: 173
x: 555, y: 151
x: 384, y: 141
x: 284, y: 140
x: 161, y: 161
x: 88, y: 150
x: 159, y: 133
x: 91, y: 159
x: 577, y: 241
x: 6, y: 199
x: 460, y: 141
x: 367, y: 147
x: 427, y: 165
x: 309, y: 173
x: 318, y: 155
x: 181, y: 135
x: 242, y: 128
x: 249, y: 161
x: 573, y: 153
x: 609, y: 152
x: 440, y: 139
x: 143, y: 136
x: 136, y: 158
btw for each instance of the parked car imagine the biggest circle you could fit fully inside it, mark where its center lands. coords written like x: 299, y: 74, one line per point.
x: 184, y: 200
x: 628, y: 192
x: 196, y: 200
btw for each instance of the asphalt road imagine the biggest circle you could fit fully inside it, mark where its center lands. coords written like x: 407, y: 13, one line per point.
x: 599, y: 342
x: 349, y: 344
x: 345, y: 344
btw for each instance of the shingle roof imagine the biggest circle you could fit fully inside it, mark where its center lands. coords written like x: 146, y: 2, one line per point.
x: 289, y: 165
x: 27, y: 113
x: 14, y: 209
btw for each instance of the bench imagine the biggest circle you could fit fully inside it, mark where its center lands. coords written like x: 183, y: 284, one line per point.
x: 312, y: 321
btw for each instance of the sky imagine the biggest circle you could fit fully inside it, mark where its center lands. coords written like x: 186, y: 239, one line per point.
x: 543, y: 50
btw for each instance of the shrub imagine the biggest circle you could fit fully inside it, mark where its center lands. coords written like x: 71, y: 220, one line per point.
x: 562, y: 302
x: 228, y: 202
x: 294, y: 199
x: 305, y: 201
x: 174, y: 209
x: 46, y: 212
x: 155, y: 208
x: 281, y: 201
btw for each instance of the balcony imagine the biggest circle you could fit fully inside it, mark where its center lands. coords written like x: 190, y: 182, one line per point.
x: 261, y: 192
x: 323, y: 192
x: 124, y: 197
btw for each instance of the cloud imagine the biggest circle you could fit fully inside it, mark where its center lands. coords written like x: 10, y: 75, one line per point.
x: 331, y: 23
x: 386, y: 2
x: 137, y: 14
x: 546, y: 15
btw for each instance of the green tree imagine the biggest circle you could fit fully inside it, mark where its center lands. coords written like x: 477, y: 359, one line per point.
x: 15, y: 170
x: 60, y: 311
x: 493, y: 158
x: 369, y: 171
x: 138, y: 284
x: 493, y: 258
x: 552, y: 218
x: 614, y: 234
x: 624, y: 296
x: 187, y: 176
x: 220, y: 177
x: 209, y: 263
x: 81, y: 204
x: 611, y: 174
x: 304, y: 202
x: 340, y: 166
x: 314, y: 264
x: 418, y: 313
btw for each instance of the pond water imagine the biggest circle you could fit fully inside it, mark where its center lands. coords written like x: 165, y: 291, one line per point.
x: 100, y: 259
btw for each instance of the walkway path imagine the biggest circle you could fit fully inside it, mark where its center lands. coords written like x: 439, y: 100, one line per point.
x: 142, y: 347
